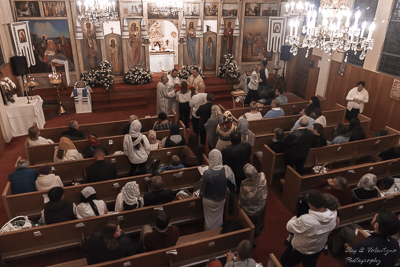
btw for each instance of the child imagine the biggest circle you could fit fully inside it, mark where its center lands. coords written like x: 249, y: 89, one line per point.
x: 175, y: 163
x: 184, y: 96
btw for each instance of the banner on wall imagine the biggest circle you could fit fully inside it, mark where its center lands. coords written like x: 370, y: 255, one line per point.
x: 22, y: 41
x: 276, y: 33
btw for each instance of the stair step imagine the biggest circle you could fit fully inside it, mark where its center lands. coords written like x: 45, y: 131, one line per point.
x: 119, y: 106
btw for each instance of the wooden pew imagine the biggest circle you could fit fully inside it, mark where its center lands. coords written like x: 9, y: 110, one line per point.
x: 327, y: 132
x: 265, y: 126
x: 289, y: 108
x: 67, y: 234
x: 275, y: 163
x: 205, y: 245
x: 297, y: 185
x: 103, y: 129
x: 74, y: 170
x: 273, y: 261
x: 30, y: 204
x: 44, y: 153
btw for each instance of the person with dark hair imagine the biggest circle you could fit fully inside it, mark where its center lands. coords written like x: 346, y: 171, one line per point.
x: 175, y: 164
x: 236, y: 156
x: 337, y: 187
x: 356, y: 131
x: 155, y: 167
x: 129, y: 198
x: 276, y: 110
x: 211, y: 126
x: 319, y: 118
x: 356, y: 98
x: 252, y: 94
x: 23, y: 179
x: 163, y: 123
x: 90, y: 206
x: 137, y: 148
x: 93, y: 144
x: 195, y: 80
x: 174, y: 139
x: 46, y: 179
x: 243, y: 256
x: 278, y: 95
x: 58, y: 209
x: 314, y: 103
x: 297, y: 145
x: 197, y: 100
x: 35, y: 139
x: 305, y: 112
x: 310, y: 231
x: 66, y: 151
x: 73, y: 132
x: 204, y: 112
x: 277, y: 144
x: 162, y: 236
x: 263, y: 84
x: 100, y: 170
x: 197, y: 148
x: 380, y: 247
x: 319, y: 139
x: 184, y: 95
x: 158, y: 195
x: 110, y: 244
x: 341, y: 135
x: 224, y: 129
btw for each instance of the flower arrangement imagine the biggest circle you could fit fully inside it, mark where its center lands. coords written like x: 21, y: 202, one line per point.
x: 229, y: 70
x: 137, y: 76
x: 102, y: 77
x: 9, y: 89
x: 186, y: 71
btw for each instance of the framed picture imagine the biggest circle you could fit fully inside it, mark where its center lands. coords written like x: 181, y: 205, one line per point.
x: 191, y: 10
x: 210, y: 49
x: 229, y: 10
x: 133, y: 9
x: 54, y: 9
x: 211, y: 9
x: 27, y: 8
x: 154, y: 13
x: 252, y: 9
x: 341, y: 69
x: 269, y: 10
x: 114, y: 52
x: 254, y: 35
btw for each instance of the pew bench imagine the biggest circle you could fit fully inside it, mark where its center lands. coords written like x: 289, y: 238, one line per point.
x: 273, y: 261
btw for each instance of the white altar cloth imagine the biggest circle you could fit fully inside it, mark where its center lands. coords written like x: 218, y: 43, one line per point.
x: 80, y: 106
x: 161, y: 62
x: 22, y: 115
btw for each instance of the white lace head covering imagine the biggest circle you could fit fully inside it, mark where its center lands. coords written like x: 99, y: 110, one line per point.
x: 215, y: 159
x: 131, y: 193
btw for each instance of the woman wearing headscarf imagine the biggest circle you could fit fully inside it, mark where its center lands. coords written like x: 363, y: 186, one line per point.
x: 243, y: 128
x: 224, y: 129
x: 66, y: 151
x: 47, y: 180
x: 90, y: 206
x: 366, y: 188
x: 175, y: 138
x: 137, y: 148
x: 213, y: 190
x: 252, y: 197
x: 129, y: 198
x: 154, y: 143
x: 211, y: 126
x: 93, y: 144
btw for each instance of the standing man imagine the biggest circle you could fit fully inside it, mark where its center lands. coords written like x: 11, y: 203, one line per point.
x: 204, y: 112
x: 164, y: 96
x: 357, y: 97
x: 195, y: 80
x: 173, y: 82
x: 263, y: 76
x: 310, y: 231
x: 196, y: 101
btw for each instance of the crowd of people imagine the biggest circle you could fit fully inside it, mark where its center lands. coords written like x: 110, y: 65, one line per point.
x: 228, y: 176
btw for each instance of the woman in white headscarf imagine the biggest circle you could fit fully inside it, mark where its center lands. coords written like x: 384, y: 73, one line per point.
x: 246, y: 134
x: 366, y: 188
x: 90, y: 206
x: 224, y: 129
x: 213, y: 190
x: 137, y: 148
x: 129, y: 198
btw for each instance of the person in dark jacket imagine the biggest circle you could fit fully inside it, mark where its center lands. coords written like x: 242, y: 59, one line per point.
x: 110, y: 244
x: 204, y: 112
x: 100, y: 170
x: 314, y: 103
x: 73, y: 132
x: 366, y: 188
x: 174, y: 139
x: 58, y: 209
x: 23, y: 179
x: 337, y: 187
x: 319, y: 140
x: 277, y: 144
x: 158, y: 195
x: 355, y: 129
x: 298, y: 144
x: 93, y: 144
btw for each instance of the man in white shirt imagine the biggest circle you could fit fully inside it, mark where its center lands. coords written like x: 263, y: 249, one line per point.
x: 357, y: 97
x: 196, y: 101
x: 310, y: 231
x: 173, y: 82
x: 195, y: 80
x: 165, y: 96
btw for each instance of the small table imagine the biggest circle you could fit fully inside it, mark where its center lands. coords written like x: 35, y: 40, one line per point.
x: 237, y: 94
x: 22, y: 115
x: 161, y: 61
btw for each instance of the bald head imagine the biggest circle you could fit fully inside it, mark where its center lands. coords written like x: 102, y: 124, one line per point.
x: 304, y: 121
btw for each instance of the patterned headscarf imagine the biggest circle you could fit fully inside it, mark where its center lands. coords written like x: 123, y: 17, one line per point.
x: 66, y: 143
x: 93, y: 140
x: 216, y: 111
x: 131, y: 193
x: 368, y: 182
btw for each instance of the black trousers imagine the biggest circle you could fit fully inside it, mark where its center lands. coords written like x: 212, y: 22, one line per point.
x: 195, y: 124
x: 184, y: 113
x: 353, y: 113
x: 252, y: 95
x: 296, y: 163
x: 292, y: 257
x: 137, y: 169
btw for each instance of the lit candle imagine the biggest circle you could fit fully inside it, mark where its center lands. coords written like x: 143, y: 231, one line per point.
x: 292, y: 5
x: 371, y: 30
x: 357, y: 16
x: 287, y: 7
x: 291, y: 27
x: 296, y: 25
x: 363, y: 26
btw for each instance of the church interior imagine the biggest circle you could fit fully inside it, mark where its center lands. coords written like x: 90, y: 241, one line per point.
x: 121, y: 55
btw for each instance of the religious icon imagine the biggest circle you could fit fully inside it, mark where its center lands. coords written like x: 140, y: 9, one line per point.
x: 113, y: 54
x: 254, y: 35
x: 54, y: 9
x: 269, y: 9
x: 27, y: 9
x: 277, y: 27
x: 135, y: 42
x: 252, y: 9
x: 228, y: 38
x: 191, y: 43
x: 91, y: 48
x: 229, y: 10
x: 22, y: 36
x: 209, y: 50
x: 211, y: 9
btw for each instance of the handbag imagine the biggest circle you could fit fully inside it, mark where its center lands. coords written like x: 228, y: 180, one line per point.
x: 320, y: 169
x: 183, y: 194
x: 16, y: 223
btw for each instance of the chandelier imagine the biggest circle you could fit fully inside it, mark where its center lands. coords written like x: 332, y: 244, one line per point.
x: 97, y: 11
x: 168, y: 6
x: 334, y: 34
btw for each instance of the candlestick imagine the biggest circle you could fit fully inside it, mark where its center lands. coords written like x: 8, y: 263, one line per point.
x: 363, y: 26
x: 371, y: 30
